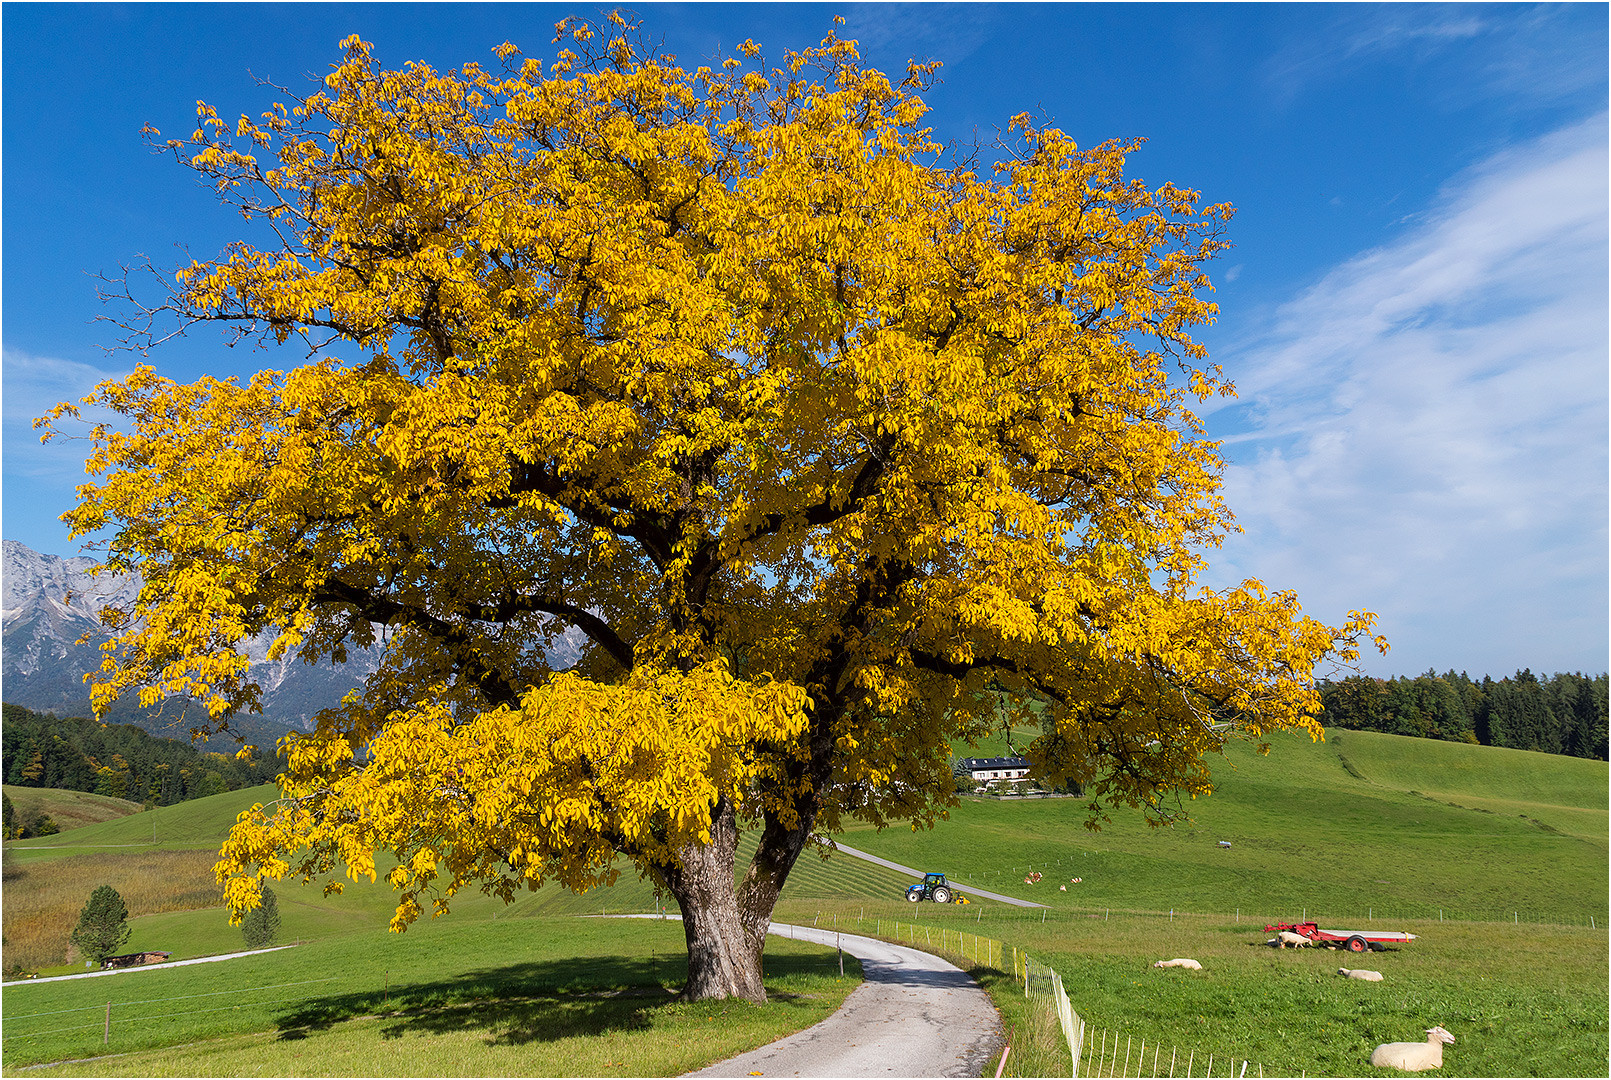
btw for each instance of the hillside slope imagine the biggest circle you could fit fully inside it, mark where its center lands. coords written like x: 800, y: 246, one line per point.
x: 68, y: 809
x: 1307, y: 835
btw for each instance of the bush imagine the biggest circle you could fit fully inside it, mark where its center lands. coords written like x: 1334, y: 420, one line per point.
x: 103, y: 925
x: 40, y: 824
x: 262, y: 922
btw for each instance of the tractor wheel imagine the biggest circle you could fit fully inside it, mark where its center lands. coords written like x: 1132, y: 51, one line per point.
x: 942, y: 895
x: 1356, y: 944
x: 914, y: 895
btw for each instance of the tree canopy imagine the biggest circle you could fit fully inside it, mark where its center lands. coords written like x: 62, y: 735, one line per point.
x: 103, y: 925
x: 830, y: 448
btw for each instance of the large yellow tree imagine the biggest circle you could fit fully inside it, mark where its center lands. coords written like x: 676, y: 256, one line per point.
x: 827, y: 445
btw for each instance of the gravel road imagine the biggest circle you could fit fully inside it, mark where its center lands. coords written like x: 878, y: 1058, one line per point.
x: 913, y: 1015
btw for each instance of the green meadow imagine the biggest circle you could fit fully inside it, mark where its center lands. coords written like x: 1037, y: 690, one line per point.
x: 1496, y: 859
x: 1362, y: 826
x: 554, y: 997
x: 68, y: 809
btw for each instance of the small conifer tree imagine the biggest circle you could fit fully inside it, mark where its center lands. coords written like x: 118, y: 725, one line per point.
x: 262, y: 923
x: 103, y: 925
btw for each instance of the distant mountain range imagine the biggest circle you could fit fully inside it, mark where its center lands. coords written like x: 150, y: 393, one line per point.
x: 48, y: 603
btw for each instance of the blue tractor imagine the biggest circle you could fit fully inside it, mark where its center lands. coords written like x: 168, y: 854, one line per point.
x: 932, y: 887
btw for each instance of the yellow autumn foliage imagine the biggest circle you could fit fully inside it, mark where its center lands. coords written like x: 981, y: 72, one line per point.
x: 822, y: 449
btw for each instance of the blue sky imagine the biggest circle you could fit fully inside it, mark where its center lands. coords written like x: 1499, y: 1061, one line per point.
x: 1415, y: 311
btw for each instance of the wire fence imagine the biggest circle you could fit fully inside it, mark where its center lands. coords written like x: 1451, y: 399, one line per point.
x: 1097, y: 1054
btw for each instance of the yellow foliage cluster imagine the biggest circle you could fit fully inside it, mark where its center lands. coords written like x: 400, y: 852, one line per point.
x: 823, y: 443
x: 553, y: 786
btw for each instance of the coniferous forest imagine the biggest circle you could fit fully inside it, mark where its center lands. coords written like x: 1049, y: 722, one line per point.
x: 120, y: 760
x: 1563, y: 714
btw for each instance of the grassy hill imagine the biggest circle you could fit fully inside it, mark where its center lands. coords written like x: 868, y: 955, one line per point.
x: 1349, y: 827
x: 1362, y: 824
x: 68, y: 809
x: 169, y: 886
x: 197, y: 824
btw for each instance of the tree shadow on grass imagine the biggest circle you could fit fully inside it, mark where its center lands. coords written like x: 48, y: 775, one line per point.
x: 526, y: 1002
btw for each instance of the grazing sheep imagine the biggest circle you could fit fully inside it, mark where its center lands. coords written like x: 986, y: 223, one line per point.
x: 1290, y: 940
x: 1413, y: 1056
x: 1360, y: 973
x: 1180, y: 962
x: 1062, y: 888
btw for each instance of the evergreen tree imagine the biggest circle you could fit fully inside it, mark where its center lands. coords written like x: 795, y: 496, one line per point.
x: 262, y: 923
x: 103, y: 925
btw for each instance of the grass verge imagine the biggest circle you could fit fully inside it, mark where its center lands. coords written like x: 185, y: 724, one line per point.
x: 555, y: 997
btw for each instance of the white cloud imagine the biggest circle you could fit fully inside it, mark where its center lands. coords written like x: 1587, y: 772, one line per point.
x: 1424, y: 432
x: 946, y: 32
x: 1524, y: 56
x: 29, y: 387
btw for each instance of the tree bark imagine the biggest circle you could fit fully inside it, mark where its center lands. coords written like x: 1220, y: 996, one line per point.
x: 724, y: 958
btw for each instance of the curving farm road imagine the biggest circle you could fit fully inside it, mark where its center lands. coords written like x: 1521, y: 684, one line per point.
x: 913, y: 1015
x: 988, y: 895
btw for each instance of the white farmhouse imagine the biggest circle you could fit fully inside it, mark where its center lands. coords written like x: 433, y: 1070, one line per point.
x: 996, y: 769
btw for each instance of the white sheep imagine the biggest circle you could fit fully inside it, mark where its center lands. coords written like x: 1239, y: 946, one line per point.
x: 1413, y: 1056
x: 1296, y: 941
x: 1179, y: 962
x: 1360, y: 973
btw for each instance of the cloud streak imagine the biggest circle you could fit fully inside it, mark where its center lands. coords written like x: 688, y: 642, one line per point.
x: 1424, y: 431
x: 1527, y: 56
x: 33, y: 385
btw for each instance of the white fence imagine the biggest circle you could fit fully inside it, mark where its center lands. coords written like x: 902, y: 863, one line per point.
x: 1098, y: 1054
x: 1038, y: 978
x: 1093, y: 1054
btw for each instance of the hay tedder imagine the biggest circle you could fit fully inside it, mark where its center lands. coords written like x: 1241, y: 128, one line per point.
x: 1352, y: 940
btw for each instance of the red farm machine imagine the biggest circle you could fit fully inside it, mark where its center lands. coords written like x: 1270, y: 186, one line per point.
x: 1352, y: 940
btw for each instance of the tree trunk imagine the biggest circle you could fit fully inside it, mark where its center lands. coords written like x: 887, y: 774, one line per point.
x: 725, y: 922
x: 724, y: 959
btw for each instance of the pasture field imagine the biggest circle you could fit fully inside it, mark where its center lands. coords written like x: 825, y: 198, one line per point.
x: 197, y: 824
x: 542, y: 997
x: 68, y: 809
x: 1521, y: 1000
x: 1307, y: 835
x: 1497, y: 858
x: 43, y: 899
x: 174, y: 899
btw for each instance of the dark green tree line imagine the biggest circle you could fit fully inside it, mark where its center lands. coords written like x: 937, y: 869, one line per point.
x: 120, y: 760
x: 1560, y: 714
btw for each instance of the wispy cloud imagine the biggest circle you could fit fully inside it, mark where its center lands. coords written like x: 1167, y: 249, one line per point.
x: 1527, y: 55
x: 1424, y: 432
x: 946, y: 32
x: 31, y: 386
